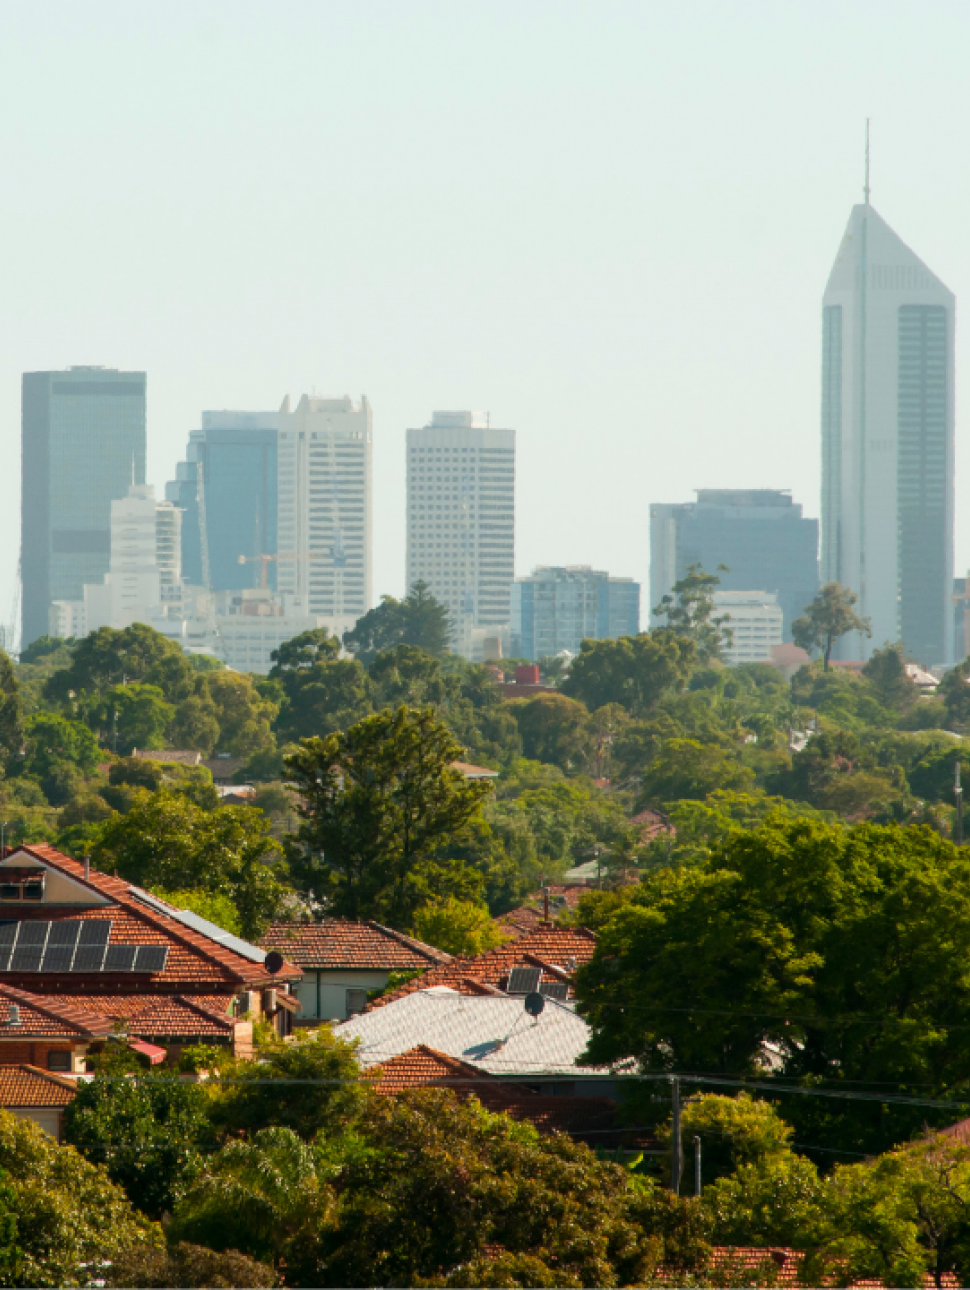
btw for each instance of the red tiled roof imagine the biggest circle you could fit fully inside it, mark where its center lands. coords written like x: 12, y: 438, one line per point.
x: 339, y: 943
x: 474, y: 772
x: 556, y: 950
x: 194, y: 959
x: 651, y: 825
x: 50, y: 1017
x: 25, y: 1085
x: 184, y: 756
x: 530, y: 916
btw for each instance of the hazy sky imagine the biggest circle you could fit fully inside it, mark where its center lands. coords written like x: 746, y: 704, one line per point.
x: 608, y: 223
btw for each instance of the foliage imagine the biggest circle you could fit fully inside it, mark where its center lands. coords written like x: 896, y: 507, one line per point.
x: 886, y: 672
x: 827, y: 619
x: 418, y: 620
x: 321, y: 693
x: 689, y: 612
x: 807, y: 936
x: 184, y: 1264
x: 634, y: 671
x: 456, y: 926
x: 214, y: 906
x: 554, y: 729
x: 689, y: 769
x: 167, y: 841
x: 109, y: 658
x: 775, y: 1199
x: 382, y: 803
x: 734, y: 1131
x: 149, y: 1130
x: 131, y: 716
x: 243, y: 715
x: 59, y: 752
x: 11, y: 713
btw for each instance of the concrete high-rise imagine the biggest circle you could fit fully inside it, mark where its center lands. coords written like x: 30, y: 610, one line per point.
x: 324, y: 507
x: 83, y: 446
x: 556, y: 609
x: 461, y: 523
x: 227, y: 489
x: 887, y: 440
x: 759, y: 533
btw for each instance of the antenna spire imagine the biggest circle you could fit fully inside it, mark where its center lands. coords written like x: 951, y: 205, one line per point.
x: 867, y: 189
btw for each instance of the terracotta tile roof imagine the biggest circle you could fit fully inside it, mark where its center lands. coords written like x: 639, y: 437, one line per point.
x: 50, y: 1017
x: 555, y: 950
x: 528, y: 917
x: 339, y: 943
x: 25, y: 1085
x: 473, y: 772
x: 423, y: 1066
x: 184, y: 756
x: 651, y: 825
x: 774, y: 1266
x: 194, y: 959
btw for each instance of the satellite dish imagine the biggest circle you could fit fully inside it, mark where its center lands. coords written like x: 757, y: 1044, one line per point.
x: 534, y: 1003
x: 273, y: 961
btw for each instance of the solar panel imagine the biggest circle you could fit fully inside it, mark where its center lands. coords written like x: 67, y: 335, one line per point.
x: 524, y: 980
x: 88, y: 958
x: 151, y: 958
x: 8, y: 933
x: 65, y: 933
x: 119, y: 958
x: 26, y: 958
x: 199, y: 924
x: 5, y: 952
x: 95, y: 931
x: 33, y: 933
x: 57, y: 958
x: 554, y: 989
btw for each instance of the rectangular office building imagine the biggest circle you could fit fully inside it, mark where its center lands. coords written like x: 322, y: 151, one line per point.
x: 556, y: 609
x: 83, y: 446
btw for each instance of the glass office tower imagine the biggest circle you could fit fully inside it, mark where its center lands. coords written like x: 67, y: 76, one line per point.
x: 83, y: 445
x: 557, y: 609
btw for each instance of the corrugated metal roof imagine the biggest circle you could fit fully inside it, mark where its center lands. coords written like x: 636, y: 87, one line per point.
x: 492, y: 1033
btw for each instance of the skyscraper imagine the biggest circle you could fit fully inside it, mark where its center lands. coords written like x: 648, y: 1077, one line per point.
x: 83, y: 446
x: 234, y: 458
x: 887, y: 440
x: 324, y: 507
x: 461, y: 522
x: 759, y: 533
x: 556, y: 609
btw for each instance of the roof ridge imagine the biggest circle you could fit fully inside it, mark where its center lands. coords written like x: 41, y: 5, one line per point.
x: 436, y: 955
x: 51, y: 1076
x: 51, y: 1006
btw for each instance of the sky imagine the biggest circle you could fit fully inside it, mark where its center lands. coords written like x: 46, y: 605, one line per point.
x: 609, y: 224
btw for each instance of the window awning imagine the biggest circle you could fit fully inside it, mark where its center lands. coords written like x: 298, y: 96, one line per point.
x: 151, y: 1051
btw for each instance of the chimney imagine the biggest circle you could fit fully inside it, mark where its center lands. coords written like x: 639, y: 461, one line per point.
x: 87, y: 868
x: 13, y: 1016
x: 545, y: 903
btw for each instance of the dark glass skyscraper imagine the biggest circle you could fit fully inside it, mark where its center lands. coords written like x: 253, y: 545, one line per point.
x: 83, y: 445
x: 227, y: 488
x: 759, y: 533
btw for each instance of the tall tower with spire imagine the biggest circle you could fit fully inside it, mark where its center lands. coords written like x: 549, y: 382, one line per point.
x: 887, y: 439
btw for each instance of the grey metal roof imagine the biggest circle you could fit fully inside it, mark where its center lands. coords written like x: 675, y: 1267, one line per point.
x: 492, y: 1032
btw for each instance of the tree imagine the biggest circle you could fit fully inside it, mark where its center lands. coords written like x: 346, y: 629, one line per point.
x: 689, y: 611
x: 184, y: 1264
x: 150, y: 1132
x: 633, y: 671
x: 11, y: 713
x: 132, y: 716
x: 829, y: 617
x: 554, y: 729
x: 109, y: 658
x: 321, y: 692
x: 734, y: 1131
x: 409, y: 675
x: 381, y: 804
x: 70, y: 1216
x: 59, y: 754
x: 418, y: 620
x: 457, y: 927
x: 687, y: 768
x: 826, y: 942
x: 886, y: 673
x: 196, y: 723
x: 165, y: 840
x: 243, y: 715
x: 776, y: 1199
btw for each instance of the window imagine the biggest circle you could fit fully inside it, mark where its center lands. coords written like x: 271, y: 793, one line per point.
x: 22, y: 884
x: 356, y: 1002
x: 59, y: 1060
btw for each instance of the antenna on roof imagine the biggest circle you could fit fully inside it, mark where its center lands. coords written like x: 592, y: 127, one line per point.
x: 867, y: 189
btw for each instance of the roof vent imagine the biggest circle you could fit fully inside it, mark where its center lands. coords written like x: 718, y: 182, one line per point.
x: 13, y: 1016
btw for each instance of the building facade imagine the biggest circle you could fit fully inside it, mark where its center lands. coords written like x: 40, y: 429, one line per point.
x: 759, y: 534
x: 887, y: 440
x: 227, y: 490
x: 755, y: 623
x: 83, y: 446
x: 461, y: 523
x: 325, y: 509
x: 557, y: 609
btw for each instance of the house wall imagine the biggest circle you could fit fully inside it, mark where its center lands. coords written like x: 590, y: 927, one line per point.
x: 323, y: 994
x: 48, y: 1118
x: 36, y: 1052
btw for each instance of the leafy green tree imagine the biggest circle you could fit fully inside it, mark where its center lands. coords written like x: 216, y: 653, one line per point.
x: 244, y: 716
x: 195, y: 724
x: 166, y: 841
x: 11, y: 713
x: 70, y: 1216
x: 810, y: 937
x: 59, y: 754
x: 457, y: 927
x: 45, y: 646
x: 149, y: 1130
x: 837, y: 771
x: 184, y: 1264
x: 933, y: 775
x: 689, y: 769
x: 409, y: 675
x: 633, y: 671
x: 132, y: 716
x: 776, y: 1199
x: 381, y: 804
x: 954, y: 690
x: 215, y: 907
x: 886, y: 673
x: 554, y: 729
x: 827, y: 619
x: 321, y: 693
x: 418, y: 620
x: 690, y: 612
x: 108, y: 658
x: 734, y: 1131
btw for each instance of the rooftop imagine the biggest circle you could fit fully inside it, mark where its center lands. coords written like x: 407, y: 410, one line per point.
x: 340, y: 943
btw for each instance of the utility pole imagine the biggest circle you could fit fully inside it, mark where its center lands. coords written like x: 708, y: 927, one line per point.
x: 697, y: 1165
x: 676, y: 1147
x: 958, y: 795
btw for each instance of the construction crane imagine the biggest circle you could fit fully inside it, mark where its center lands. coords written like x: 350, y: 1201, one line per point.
x: 266, y: 560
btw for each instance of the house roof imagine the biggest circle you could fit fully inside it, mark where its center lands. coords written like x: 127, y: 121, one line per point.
x: 340, y: 943
x: 777, y: 1266
x: 184, y: 756
x: 49, y: 1017
x: 200, y: 955
x: 491, y: 1033
x: 473, y: 772
x: 531, y: 915
x: 556, y: 951
x: 25, y: 1085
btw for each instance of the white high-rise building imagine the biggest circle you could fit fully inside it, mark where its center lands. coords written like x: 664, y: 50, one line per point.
x: 461, y: 524
x: 755, y: 621
x: 324, y: 511
x: 887, y: 440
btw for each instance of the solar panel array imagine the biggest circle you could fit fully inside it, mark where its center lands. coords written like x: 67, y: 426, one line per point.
x: 555, y: 990
x: 73, y: 945
x: 524, y: 980
x: 198, y: 924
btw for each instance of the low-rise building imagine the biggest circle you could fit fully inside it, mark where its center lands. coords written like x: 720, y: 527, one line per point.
x: 755, y: 623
